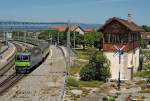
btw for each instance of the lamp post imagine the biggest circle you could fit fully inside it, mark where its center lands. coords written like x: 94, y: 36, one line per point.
x: 120, y: 52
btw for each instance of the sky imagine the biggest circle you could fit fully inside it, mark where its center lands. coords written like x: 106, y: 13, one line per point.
x: 85, y: 11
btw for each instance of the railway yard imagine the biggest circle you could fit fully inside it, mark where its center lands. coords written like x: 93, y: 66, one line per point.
x: 45, y: 83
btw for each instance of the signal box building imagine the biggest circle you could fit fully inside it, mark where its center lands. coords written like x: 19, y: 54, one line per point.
x: 119, y: 32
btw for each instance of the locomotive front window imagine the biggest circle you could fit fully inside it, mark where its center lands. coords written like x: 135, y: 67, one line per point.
x: 18, y: 58
x: 25, y: 58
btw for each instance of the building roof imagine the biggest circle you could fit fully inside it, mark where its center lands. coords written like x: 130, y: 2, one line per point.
x: 145, y: 35
x: 129, y: 24
x: 63, y: 28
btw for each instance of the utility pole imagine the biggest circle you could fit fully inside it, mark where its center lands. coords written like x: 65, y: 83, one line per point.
x: 51, y: 39
x: 5, y: 36
x: 58, y: 39
x: 68, y: 47
x: 17, y: 35
x: 74, y: 40
x: 25, y: 36
x: 49, y: 36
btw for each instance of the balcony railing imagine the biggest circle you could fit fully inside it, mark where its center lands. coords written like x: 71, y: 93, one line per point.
x: 128, y: 46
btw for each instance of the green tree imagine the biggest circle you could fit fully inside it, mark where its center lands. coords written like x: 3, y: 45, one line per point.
x: 143, y: 44
x: 79, y: 38
x: 93, y: 38
x: 97, y: 69
x: 17, y: 34
x: 146, y: 28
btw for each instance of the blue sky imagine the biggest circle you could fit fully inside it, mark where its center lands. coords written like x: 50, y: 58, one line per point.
x: 86, y: 11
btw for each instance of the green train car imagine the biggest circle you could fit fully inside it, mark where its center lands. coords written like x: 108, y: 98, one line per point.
x: 23, y: 62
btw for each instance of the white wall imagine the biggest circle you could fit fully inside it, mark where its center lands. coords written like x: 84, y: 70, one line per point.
x: 80, y: 31
x: 128, y: 60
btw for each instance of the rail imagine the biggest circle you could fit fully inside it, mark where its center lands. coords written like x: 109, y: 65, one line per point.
x: 9, y: 61
x: 1, y: 52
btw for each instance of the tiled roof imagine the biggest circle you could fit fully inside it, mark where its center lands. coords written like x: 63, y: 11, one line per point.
x: 130, y: 25
x: 145, y: 35
x: 63, y: 28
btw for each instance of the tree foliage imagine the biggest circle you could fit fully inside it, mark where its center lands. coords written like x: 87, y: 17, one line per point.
x: 92, y: 39
x: 97, y: 69
x: 146, y: 28
x: 143, y: 44
x: 88, y: 39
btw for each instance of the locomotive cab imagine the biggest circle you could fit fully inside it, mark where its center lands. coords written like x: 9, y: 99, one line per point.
x: 23, y: 62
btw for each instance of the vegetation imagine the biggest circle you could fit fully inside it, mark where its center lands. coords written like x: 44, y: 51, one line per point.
x: 92, y: 39
x: 85, y: 54
x: 71, y: 81
x: 90, y: 83
x: 89, y: 39
x: 145, y: 73
x: 75, y: 69
x: 97, y: 69
x: 19, y: 33
x: 143, y: 44
x: 146, y: 28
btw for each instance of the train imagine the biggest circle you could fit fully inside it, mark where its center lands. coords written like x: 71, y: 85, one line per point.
x: 27, y: 61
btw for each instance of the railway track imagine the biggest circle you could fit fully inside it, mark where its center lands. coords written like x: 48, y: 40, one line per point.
x: 18, y: 47
x: 11, y: 63
x: 10, y: 79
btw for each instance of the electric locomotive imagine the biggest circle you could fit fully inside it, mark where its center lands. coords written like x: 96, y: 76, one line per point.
x: 28, y: 61
x: 23, y: 62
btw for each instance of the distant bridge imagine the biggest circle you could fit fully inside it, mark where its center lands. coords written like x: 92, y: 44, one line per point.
x: 9, y: 26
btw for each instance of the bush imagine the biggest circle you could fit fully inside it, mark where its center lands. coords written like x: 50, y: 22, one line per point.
x: 87, y: 73
x: 72, y: 82
x: 97, y: 69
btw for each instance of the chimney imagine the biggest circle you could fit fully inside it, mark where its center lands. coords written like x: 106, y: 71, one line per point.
x: 130, y: 18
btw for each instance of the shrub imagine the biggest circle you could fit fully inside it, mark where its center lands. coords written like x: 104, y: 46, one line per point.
x: 72, y: 82
x: 97, y: 69
x: 87, y: 73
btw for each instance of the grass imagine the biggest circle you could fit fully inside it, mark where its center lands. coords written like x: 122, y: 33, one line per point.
x: 82, y: 54
x: 90, y: 83
x: 85, y: 54
x: 71, y: 81
x: 75, y: 69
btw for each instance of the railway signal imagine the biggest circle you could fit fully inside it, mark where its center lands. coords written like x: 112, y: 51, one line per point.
x: 120, y: 52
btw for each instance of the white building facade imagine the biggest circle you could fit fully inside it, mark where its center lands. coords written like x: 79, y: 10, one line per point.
x: 129, y: 64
